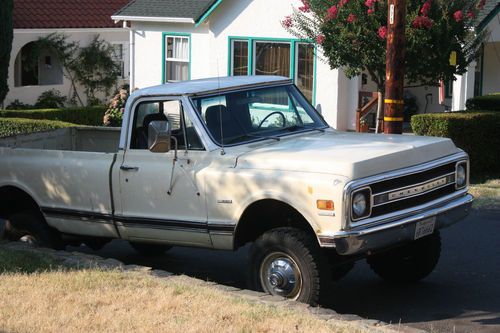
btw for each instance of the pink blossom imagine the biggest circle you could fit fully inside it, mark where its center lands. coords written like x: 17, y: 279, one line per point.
x: 122, y: 110
x: 370, y: 3
x: 351, y: 18
x: 371, y: 11
x: 426, y: 8
x: 481, y: 3
x: 287, y: 22
x: 470, y: 14
x: 320, y: 39
x: 306, y: 7
x: 422, y: 22
x: 332, y: 12
x: 458, y: 15
x: 382, y: 32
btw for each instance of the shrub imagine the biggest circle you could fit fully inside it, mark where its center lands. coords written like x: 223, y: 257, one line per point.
x: 18, y: 105
x: 474, y: 132
x: 16, y: 126
x: 489, y: 102
x: 50, y: 99
x: 114, y: 113
x: 83, y: 116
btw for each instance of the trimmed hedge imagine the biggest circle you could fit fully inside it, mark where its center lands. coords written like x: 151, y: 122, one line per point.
x: 92, y: 116
x: 489, y: 102
x: 15, y: 126
x: 475, y: 132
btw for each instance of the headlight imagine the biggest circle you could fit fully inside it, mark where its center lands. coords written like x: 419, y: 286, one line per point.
x: 461, y: 175
x: 361, y: 203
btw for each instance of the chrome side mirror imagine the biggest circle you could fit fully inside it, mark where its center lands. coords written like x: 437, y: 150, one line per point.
x: 159, y: 136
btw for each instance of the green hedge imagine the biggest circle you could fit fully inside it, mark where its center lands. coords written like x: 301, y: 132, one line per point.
x: 91, y: 116
x: 475, y: 132
x: 487, y: 102
x: 15, y: 126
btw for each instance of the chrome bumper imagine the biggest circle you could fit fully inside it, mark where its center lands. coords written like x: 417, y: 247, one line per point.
x: 356, y: 241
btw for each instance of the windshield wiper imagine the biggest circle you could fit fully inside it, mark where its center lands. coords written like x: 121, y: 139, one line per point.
x: 299, y: 127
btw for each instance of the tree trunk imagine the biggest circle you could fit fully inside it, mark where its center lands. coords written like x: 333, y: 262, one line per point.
x: 380, y: 110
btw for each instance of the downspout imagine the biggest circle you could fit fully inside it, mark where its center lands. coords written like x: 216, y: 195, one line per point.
x: 131, y: 56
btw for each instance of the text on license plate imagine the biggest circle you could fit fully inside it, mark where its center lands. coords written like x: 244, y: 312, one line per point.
x: 425, y: 227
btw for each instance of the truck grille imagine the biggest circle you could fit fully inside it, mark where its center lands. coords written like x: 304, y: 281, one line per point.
x: 412, y: 190
x: 396, y: 193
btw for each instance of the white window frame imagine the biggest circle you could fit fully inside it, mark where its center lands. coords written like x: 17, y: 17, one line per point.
x: 174, y: 58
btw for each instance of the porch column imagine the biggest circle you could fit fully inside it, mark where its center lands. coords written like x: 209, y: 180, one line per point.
x: 463, y: 88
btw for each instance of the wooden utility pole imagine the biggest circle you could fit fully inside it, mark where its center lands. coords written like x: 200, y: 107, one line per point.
x: 394, y: 77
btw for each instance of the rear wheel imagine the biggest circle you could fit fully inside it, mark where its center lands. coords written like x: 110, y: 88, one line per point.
x: 408, y: 263
x: 30, y: 227
x: 288, y: 262
x: 150, y: 249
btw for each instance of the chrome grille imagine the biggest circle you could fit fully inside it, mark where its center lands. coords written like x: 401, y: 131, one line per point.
x: 405, y: 190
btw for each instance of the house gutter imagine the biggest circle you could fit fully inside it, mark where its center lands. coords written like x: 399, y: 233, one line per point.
x: 207, y: 13
x: 153, y: 19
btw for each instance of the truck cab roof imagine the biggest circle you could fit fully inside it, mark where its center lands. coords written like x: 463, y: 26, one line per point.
x: 208, y: 85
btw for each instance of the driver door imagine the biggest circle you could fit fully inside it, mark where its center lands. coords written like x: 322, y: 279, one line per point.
x: 161, y: 201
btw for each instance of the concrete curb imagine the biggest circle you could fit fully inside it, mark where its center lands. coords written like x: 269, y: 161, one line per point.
x: 82, y: 260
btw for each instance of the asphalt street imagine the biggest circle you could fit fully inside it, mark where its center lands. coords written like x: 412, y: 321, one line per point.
x: 461, y: 295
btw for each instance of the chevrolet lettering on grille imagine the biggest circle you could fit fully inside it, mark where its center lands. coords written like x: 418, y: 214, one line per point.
x: 417, y: 189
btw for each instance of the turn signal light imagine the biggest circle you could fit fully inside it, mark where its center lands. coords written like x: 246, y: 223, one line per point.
x: 325, y: 204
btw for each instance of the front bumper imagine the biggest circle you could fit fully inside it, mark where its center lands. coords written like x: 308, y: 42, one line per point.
x: 365, y: 239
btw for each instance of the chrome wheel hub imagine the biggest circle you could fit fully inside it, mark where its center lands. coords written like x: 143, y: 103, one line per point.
x: 280, y: 275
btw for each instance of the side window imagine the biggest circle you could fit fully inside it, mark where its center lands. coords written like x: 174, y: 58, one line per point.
x: 182, y: 128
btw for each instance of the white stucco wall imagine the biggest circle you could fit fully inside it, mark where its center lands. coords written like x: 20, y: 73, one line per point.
x: 463, y: 87
x: 491, y: 67
x: 29, y: 94
x: 209, y: 52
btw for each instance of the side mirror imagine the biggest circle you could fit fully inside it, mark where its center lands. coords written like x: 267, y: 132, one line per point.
x: 159, y: 136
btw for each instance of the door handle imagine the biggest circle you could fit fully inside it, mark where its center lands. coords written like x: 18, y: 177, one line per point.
x: 128, y: 168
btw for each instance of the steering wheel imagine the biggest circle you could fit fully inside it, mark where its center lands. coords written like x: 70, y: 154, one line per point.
x: 269, y: 115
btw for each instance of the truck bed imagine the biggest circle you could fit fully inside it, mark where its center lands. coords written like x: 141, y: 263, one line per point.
x: 85, y: 138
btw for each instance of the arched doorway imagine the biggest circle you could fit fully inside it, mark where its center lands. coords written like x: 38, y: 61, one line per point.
x: 37, y: 67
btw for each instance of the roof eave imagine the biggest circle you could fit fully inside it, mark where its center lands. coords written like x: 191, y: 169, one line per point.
x: 205, y: 15
x: 153, y: 19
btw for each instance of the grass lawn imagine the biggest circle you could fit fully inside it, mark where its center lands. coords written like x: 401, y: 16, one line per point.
x: 39, y: 296
x: 487, y: 193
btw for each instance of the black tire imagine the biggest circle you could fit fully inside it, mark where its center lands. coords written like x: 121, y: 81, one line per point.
x: 30, y: 227
x: 409, y: 263
x: 286, y: 255
x: 150, y: 249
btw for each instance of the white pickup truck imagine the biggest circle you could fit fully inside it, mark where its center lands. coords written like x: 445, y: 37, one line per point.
x: 218, y: 163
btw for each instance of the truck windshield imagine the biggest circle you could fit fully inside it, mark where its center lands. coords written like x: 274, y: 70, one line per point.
x: 260, y: 113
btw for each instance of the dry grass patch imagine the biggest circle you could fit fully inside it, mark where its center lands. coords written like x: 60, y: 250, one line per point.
x: 487, y: 194
x: 113, y: 301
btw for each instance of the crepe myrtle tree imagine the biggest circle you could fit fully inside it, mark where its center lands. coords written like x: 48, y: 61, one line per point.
x: 352, y: 35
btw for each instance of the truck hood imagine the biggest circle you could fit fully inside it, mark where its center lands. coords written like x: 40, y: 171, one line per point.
x: 353, y: 155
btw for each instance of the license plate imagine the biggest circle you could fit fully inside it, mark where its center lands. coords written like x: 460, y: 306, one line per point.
x: 425, y: 227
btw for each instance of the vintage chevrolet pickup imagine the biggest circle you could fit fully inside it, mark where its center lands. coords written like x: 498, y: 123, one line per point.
x: 218, y: 163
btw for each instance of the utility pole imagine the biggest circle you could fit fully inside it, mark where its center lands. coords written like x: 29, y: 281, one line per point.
x: 395, y: 72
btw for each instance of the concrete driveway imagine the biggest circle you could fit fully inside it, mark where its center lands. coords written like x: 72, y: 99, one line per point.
x: 461, y: 295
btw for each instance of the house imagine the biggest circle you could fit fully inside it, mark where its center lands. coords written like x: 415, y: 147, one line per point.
x: 483, y: 76
x: 176, y: 40
x: 79, y: 21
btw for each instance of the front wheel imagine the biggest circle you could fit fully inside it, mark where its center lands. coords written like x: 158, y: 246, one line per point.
x: 408, y: 263
x: 288, y: 262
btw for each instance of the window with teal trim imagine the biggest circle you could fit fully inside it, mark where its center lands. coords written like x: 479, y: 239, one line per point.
x: 176, y: 58
x: 266, y: 56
